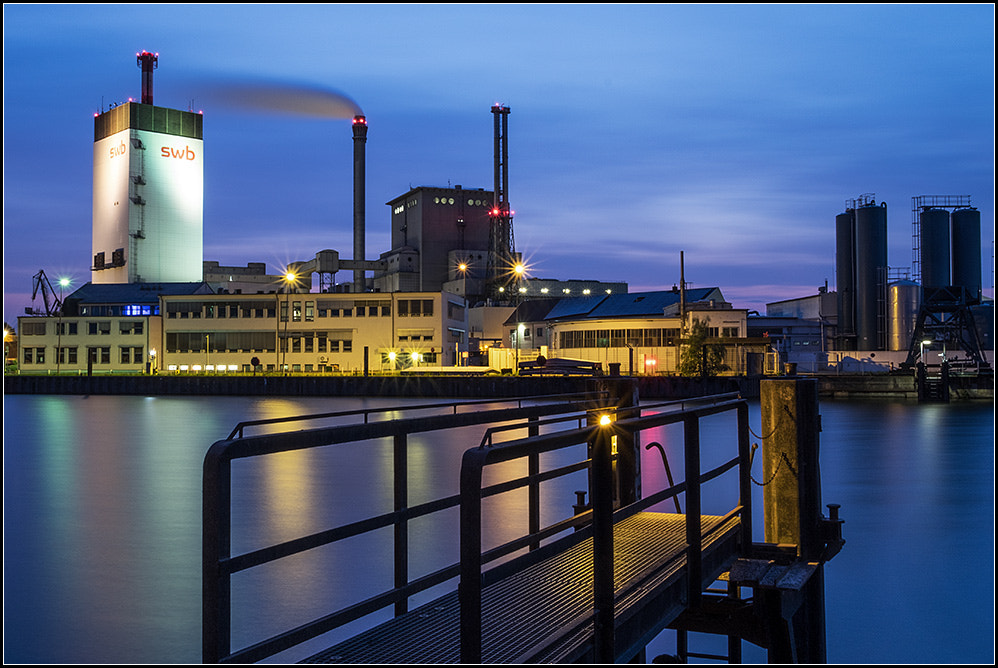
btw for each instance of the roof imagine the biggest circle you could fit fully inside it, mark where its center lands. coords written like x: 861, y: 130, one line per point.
x: 134, y: 293
x: 625, y: 305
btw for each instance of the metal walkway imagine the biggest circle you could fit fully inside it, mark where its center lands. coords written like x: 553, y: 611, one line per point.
x: 597, y: 585
x: 544, y: 614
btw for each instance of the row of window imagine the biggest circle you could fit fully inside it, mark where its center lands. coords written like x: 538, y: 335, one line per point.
x: 97, y: 354
x: 299, y: 311
x: 635, y: 338
x: 72, y: 328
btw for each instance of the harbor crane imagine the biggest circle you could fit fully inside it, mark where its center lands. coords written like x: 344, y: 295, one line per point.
x: 53, y: 305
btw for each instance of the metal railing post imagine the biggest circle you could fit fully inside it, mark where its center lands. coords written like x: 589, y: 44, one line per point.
x: 469, y: 587
x: 401, y: 527
x: 534, y: 487
x: 694, y: 540
x: 745, y: 475
x: 602, y: 504
x: 216, y: 511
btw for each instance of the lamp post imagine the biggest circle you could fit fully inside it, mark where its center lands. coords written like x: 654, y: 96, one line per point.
x: 289, y: 280
x: 519, y: 336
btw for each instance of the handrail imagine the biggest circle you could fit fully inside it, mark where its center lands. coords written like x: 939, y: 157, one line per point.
x: 218, y: 564
x: 239, y: 429
x: 603, y: 516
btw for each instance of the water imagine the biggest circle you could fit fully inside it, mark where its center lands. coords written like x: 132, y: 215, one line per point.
x: 102, y: 521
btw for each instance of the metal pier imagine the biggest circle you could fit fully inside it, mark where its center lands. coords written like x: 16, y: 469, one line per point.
x: 596, y: 585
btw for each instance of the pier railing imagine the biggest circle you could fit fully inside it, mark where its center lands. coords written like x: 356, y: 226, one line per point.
x: 219, y: 565
x: 601, y: 436
x: 557, y: 413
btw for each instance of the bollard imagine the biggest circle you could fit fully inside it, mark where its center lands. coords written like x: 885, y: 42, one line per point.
x: 792, y: 508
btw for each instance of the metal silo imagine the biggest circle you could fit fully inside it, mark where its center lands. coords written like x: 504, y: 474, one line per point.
x: 904, y: 300
x: 967, y: 251
x: 845, y: 276
x: 871, y: 269
x: 934, y: 244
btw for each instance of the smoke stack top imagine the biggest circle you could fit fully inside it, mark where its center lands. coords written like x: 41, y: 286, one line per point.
x: 148, y: 62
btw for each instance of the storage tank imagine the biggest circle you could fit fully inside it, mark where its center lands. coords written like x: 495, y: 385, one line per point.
x: 904, y: 300
x: 845, y: 274
x: 871, y: 269
x: 934, y: 245
x: 967, y: 251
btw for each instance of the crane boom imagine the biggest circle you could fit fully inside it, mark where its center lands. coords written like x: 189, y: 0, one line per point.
x: 53, y: 305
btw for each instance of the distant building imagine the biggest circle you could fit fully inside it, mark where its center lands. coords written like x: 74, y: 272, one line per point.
x: 184, y: 328
x: 637, y: 333
x: 148, y: 194
x: 438, y: 236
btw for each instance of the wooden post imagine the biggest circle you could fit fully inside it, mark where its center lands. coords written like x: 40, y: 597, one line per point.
x: 792, y: 505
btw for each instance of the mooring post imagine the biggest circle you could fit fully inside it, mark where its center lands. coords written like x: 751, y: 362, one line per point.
x: 792, y: 502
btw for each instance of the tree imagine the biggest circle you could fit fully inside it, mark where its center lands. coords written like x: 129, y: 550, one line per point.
x: 697, y: 357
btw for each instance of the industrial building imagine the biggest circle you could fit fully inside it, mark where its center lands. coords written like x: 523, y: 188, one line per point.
x: 151, y: 289
x: 640, y: 333
x: 148, y: 189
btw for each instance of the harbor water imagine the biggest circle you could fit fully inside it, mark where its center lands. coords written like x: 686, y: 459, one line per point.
x: 102, y: 525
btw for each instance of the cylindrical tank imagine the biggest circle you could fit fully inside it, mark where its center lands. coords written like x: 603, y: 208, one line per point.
x: 934, y: 245
x: 904, y: 300
x: 845, y: 273
x: 967, y: 251
x: 871, y: 270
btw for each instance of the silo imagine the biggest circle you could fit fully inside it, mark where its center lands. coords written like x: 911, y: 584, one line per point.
x: 904, y: 300
x: 934, y: 247
x: 871, y: 269
x: 845, y: 275
x: 967, y: 251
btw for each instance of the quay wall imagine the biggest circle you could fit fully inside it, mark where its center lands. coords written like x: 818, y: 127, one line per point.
x: 475, y: 387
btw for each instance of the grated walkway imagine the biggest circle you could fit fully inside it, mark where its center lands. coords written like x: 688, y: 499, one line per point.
x: 544, y: 613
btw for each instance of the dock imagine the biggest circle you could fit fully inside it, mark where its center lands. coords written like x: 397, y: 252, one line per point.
x: 596, y: 585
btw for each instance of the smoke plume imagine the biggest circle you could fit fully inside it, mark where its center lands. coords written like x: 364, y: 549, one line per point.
x: 279, y: 97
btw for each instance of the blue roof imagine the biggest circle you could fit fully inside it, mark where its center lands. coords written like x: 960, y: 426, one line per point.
x: 134, y: 293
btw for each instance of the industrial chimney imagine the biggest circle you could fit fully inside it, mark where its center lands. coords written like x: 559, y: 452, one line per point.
x: 148, y: 62
x: 359, y: 255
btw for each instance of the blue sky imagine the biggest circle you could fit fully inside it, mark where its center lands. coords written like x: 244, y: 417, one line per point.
x: 732, y: 133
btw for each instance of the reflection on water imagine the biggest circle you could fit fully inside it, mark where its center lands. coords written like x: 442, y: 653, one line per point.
x: 102, y: 516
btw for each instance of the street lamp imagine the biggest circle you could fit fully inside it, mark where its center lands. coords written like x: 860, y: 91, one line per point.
x: 289, y: 280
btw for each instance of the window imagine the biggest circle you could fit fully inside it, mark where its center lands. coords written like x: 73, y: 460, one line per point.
x: 131, y: 355
x: 284, y: 311
x: 36, y: 328
x: 34, y: 355
x: 309, y: 311
x: 67, y: 355
x: 730, y: 332
x: 131, y: 327
x: 66, y: 328
x: 99, y: 328
x: 296, y: 311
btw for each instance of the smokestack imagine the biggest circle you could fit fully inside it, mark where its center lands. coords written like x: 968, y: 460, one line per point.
x: 148, y: 62
x: 359, y: 140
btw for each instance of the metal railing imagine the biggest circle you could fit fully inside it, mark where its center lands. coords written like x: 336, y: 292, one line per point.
x: 599, y: 520
x: 219, y: 565
x: 532, y: 414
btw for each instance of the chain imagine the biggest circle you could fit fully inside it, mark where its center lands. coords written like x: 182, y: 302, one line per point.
x: 783, y: 460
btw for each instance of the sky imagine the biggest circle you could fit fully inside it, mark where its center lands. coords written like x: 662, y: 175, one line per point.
x: 730, y: 134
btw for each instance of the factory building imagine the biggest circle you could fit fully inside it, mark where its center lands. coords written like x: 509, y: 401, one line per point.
x: 637, y: 333
x: 148, y: 190
x: 439, y: 236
